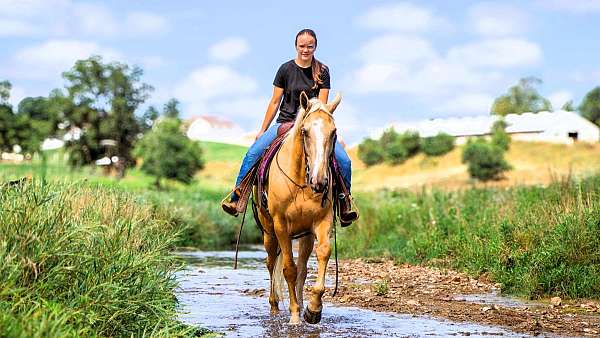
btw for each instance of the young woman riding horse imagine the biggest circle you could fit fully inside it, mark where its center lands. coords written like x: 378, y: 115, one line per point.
x: 302, y: 74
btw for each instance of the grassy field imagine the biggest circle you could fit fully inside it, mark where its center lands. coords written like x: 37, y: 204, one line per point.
x: 535, y: 232
x: 82, y: 261
x: 535, y: 241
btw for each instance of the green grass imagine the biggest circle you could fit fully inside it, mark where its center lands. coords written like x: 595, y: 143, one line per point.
x: 535, y: 241
x: 223, y: 152
x: 83, y: 261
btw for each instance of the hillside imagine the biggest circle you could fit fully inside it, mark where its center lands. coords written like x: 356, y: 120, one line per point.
x: 533, y: 163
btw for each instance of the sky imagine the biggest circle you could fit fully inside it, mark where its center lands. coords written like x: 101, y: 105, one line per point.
x: 393, y: 61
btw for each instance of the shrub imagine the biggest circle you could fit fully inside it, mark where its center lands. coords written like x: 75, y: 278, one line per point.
x: 437, y: 145
x: 485, y: 161
x: 396, y: 151
x: 499, y: 136
x: 411, y: 142
x: 370, y: 152
x: 168, y: 153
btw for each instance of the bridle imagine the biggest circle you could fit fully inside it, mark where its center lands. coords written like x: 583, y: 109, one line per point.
x: 307, y: 165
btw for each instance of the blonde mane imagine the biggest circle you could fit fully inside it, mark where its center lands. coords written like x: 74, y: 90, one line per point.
x: 315, y: 104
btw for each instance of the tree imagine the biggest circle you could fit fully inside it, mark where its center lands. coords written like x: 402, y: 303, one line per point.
x: 167, y: 153
x: 521, y: 98
x: 149, y: 117
x: 171, y: 109
x: 7, y: 118
x: 568, y: 106
x: 500, y: 137
x: 5, y: 87
x: 104, y: 99
x: 590, y: 106
x: 370, y: 152
x: 485, y: 160
x: 437, y: 145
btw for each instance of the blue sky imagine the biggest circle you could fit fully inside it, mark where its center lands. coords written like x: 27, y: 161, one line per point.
x: 393, y: 60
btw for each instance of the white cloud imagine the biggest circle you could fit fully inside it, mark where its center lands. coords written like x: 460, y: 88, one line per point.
x: 48, y: 59
x: 229, y: 49
x: 211, y: 84
x: 30, y: 8
x: 494, y: 19
x: 95, y: 20
x: 467, y: 104
x: 559, y: 98
x: 402, y: 16
x: 249, y: 107
x: 60, y: 18
x: 396, y: 48
x: 574, y: 6
x: 144, y: 23
x: 509, y: 52
x: 9, y: 27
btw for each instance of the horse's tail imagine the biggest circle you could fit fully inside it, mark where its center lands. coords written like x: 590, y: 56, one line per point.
x: 278, y: 278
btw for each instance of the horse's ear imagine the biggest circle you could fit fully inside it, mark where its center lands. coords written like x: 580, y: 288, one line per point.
x: 333, y: 104
x: 304, y: 101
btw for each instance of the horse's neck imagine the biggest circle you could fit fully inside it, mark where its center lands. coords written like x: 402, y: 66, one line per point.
x: 293, y: 152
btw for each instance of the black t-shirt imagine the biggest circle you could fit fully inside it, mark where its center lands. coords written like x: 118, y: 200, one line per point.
x: 295, y: 79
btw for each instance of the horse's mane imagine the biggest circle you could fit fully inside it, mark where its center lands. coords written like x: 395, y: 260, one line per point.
x: 315, y: 104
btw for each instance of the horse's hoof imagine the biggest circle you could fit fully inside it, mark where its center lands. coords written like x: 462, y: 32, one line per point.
x: 312, y: 317
x: 294, y: 320
x: 274, y: 310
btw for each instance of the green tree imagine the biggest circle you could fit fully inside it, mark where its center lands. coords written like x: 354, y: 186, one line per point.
x: 521, y: 98
x: 167, y: 153
x: 568, y: 106
x: 590, y: 106
x: 370, y: 152
x: 5, y: 87
x: 411, y: 141
x: 7, y: 131
x: 500, y: 137
x: 171, y: 109
x: 104, y: 99
x: 7, y: 118
x: 149, y: 117
x: 437, y: 145
x: 485, y: 161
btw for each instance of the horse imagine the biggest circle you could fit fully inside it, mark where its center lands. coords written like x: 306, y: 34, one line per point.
x: 300, y: 204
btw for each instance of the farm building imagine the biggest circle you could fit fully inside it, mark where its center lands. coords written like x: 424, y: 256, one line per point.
x: 556, y: 127
x: 214, y: 129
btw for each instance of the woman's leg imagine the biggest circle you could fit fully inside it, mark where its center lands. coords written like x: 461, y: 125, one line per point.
x: 254, y: 153
x: 345, y: 164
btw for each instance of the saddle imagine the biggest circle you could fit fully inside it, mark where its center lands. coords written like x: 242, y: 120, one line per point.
x: 258, y: 176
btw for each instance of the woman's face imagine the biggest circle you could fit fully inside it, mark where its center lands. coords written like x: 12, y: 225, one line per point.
x: 305, y: 46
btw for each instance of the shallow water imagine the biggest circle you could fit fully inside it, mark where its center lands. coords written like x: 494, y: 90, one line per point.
x: 211, y: 294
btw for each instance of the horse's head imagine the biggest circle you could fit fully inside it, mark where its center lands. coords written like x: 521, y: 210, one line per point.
x: 318, y: 132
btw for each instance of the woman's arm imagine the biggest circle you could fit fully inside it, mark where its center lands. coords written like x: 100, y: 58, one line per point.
x: 271, y: 110
x: 324, y: 95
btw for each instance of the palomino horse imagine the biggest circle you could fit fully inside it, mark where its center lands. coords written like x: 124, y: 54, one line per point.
x: 300, y: 203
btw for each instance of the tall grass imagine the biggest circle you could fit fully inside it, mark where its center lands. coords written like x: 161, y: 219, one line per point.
x: 535, y: 241
x: 82, y: 261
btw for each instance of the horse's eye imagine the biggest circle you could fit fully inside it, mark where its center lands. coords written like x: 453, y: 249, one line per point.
x: 303, y: 131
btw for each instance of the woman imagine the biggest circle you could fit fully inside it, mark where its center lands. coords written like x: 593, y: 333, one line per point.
x: 304, y: 73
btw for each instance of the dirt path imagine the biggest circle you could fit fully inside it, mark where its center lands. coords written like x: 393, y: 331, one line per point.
x: 407, y: 289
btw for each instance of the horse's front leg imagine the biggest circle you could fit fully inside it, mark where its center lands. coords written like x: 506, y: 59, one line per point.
x: 312, y: 314
x: 289, y: 269
x: 305, y: 249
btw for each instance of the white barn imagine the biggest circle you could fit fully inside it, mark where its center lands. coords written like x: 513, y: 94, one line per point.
x: 556, y: 127
x: 214, y: 129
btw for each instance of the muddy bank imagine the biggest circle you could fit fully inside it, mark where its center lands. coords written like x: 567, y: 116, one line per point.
x: 407, y: 289
x: 232, y: 302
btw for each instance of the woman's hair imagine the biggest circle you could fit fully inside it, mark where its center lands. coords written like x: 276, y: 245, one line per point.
x: 317, y: 67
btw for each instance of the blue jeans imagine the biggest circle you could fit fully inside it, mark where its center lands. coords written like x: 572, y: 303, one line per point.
x: 257, y: 149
